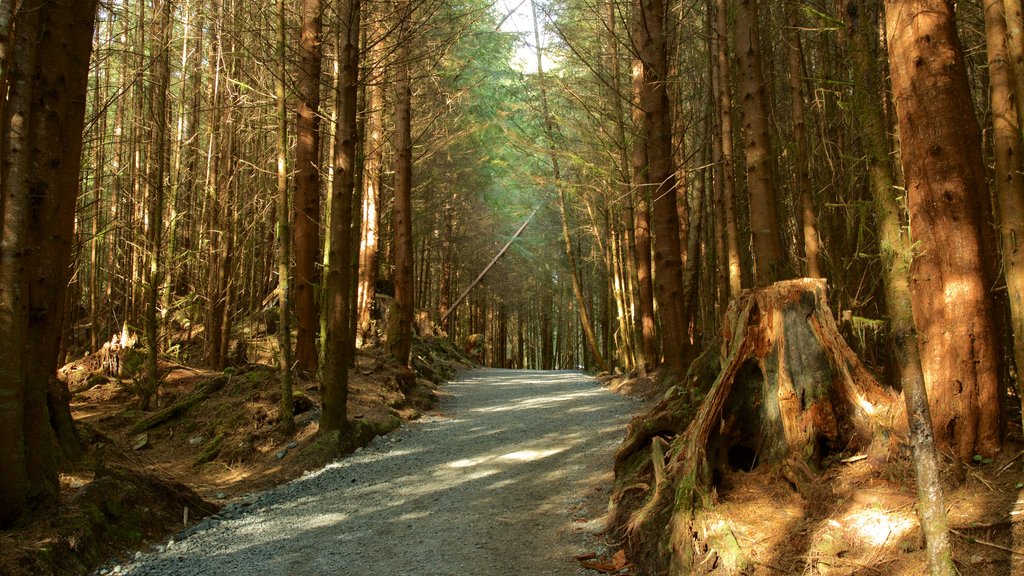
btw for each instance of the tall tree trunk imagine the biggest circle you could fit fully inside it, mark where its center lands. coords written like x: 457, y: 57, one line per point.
x: 46, y: 67
x: 896, y: 255
x: 1015, y: 47
x: 307, y: 187
x: 802, y: 157
x: 1009, y: 183
x: 942, y: 164
x: 157, y: 163
x: 369, y: 234
x: 339, y: 300
x: 400, y: 325
x: 656, y: 135
x: 570, y: 255
x: 218, y: 182
x: 769, y: 257
x: 642, y: 225
x: 284, y: 322
x: 724, y: 95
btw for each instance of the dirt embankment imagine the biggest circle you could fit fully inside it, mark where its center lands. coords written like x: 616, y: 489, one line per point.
x: 213, y: 437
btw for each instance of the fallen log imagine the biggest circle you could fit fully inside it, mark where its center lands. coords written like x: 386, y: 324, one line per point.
x: 201, y: 393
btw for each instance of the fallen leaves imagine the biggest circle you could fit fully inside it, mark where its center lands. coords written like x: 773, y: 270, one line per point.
x: 617, y: 564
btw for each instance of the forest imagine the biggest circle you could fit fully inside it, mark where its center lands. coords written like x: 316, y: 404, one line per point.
x: 794, y: 227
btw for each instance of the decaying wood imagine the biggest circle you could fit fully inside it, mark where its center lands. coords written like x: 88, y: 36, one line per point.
x: 789, y: 393
x: 202, y: 392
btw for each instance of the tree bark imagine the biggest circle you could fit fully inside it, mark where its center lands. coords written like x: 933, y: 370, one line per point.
x: 942, y: 164
x: 307, y: 187
x: 284, y: 328
x: 339, y: 300
x: 802, y: 174
x: 769, y: 257
x: 656, y: 135
x: 41, y: 144
x: 724, y: 95
x: 369, y: 234
x: 1009, y: 182
x: 157, y: 164
x: 896, y: 255
x: 400, y: 325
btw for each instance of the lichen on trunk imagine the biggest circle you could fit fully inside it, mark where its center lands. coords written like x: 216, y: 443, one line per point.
x: 789, y: 394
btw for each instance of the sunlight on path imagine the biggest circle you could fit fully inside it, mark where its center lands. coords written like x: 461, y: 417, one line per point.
x: 488, y: 486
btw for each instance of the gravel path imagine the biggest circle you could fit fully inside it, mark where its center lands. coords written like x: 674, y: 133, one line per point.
x: 510, y: 478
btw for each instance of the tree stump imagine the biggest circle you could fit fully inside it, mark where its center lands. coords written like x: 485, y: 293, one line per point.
x: 789, y: 392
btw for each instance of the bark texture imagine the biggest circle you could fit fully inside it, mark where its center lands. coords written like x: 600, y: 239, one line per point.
x: 307, y: 187
x: 942, y: 165
x: 788, y: 391
x: 769, y: 257
x: 41, y: 140
x: 656, y: 135
x: 338, y: 280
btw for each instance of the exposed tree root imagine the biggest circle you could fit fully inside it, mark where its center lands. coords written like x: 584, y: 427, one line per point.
x: 789, y: 393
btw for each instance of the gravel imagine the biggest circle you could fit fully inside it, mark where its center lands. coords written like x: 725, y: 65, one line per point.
x: 511, y: 477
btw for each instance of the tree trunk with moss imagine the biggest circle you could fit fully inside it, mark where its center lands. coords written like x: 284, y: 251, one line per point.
x: 788, y: 391
x: 896, y: 255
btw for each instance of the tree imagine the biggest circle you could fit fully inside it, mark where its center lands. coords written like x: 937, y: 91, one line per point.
x: 769, y: 258
x: 339, y: 301
x: 802, y: 176
x: 46, y: 66
x: 896, y: 255
x: 400, y: 325
x: 307, y: 187
x: 1009, y: 182
x: 158, y: 114
x: 940, y: 149
x: 656, y: 136
x: 284, y: 329
x: 728, y: 229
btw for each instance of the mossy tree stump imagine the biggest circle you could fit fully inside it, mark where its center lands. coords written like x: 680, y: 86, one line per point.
x: 789, y: 393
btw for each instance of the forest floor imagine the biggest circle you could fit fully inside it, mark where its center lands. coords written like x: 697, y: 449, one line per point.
x: 861, y: 519
x: 132, y: 490
x: 136, y: 487
x: 510, y: 477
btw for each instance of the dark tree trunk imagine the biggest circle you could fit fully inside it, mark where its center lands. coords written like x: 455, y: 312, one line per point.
x: 42, y: 122
x: 307, y: 188
x: 769, y: 257
x: 339, y: 300
x: 400, y: 325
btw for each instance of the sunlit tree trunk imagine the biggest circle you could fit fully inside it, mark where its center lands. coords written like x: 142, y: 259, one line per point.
x: 1009, y: 183
x: 284, y: 328
x: 769, y: 257
x: 307, y: 187
x: 1015, y: 47
x: 158, y: 115
x: 730, y: 231
x: 656, y: 135
x: 802, y: 158
x: 369, y: 233
x: 339, y: 301
x: 896, y: 255
x: 942, y: 164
